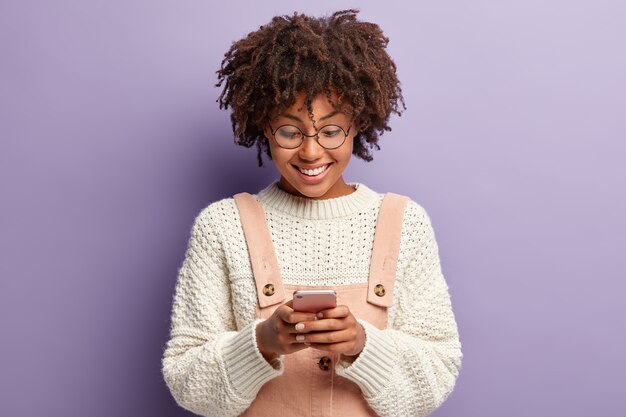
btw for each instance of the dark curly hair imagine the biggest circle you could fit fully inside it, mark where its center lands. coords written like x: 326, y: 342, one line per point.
x: 264, y: 72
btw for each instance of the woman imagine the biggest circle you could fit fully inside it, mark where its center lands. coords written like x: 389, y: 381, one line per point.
x: 310, y: 93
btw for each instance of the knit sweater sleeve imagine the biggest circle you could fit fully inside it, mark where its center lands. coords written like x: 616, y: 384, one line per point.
x: 210, y: 367
x: 410, y: 368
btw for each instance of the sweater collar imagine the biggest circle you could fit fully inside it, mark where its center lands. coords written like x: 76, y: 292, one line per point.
x: 273, y: 198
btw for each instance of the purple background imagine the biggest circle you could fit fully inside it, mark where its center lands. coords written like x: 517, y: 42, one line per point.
x: 111, y: 143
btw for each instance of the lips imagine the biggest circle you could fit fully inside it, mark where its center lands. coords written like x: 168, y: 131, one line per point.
x: 313, y: 176
x: 312, y: 171
x: 311, y: 166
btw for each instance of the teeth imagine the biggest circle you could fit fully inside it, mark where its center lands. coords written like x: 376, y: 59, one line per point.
x: 313, y: 172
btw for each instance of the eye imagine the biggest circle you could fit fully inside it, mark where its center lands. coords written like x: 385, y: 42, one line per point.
x: 331, y: 131
x: 288, y: 132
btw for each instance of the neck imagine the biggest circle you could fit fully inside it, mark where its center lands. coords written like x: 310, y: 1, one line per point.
x: 273, y: 198
x: 339, y: 189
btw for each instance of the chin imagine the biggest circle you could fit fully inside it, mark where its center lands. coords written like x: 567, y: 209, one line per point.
x: 312, y: 191
x: 316, y: 193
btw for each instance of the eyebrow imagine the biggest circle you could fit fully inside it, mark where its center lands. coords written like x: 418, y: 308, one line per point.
x: 296, y: 118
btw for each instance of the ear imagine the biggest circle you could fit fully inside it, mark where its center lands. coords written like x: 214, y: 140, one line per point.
x: 265, y: 129
x: 354, y: 130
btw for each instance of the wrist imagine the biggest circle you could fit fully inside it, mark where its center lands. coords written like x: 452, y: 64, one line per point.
x: 269, y: 355
x: 359, y: 344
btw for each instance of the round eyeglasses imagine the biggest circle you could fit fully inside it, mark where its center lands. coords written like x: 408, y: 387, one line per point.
x: 291, y: 137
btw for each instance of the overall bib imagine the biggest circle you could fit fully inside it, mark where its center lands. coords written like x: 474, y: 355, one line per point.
x: 309, y: 386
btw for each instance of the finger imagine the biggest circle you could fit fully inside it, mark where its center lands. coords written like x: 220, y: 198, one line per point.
x: 322, y: 325
x: 343, y: 347
x: 290, y: 341
x: 327, y: 337
x: 333, y: 313
x: 288, y: 315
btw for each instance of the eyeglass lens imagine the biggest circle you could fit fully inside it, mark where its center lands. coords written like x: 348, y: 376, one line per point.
x: 329, y: 136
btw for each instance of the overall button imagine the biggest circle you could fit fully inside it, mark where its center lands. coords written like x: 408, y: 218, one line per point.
x: 324, y: 363
x: 268, y: 289
x: 379, y: 290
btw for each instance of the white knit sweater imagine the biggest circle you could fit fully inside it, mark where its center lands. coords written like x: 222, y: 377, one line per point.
x: 211, y: 363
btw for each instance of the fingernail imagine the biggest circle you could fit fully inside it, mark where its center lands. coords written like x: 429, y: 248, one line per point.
x: 300, y: 338
x: 307, y: 344
x: 299, y: 326
x: 320, y: 315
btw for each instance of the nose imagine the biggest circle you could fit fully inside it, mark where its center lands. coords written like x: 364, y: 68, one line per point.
x: 310, y: 150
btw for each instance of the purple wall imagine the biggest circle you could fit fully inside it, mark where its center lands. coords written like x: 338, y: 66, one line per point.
x: 111, y: 142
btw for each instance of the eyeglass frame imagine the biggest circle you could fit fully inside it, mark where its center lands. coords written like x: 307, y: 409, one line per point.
x: 316, y: 135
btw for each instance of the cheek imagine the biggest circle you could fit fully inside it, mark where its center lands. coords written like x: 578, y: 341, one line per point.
x: 280, y: 156
x: 274, y: 150
x: 346, y: 153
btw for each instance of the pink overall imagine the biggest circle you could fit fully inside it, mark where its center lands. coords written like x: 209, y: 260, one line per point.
x: 309, y: 386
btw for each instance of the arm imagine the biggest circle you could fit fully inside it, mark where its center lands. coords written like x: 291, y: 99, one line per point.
x: 209, y: 367
x: 411, y: 367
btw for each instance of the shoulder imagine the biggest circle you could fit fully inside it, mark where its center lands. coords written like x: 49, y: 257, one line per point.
x: 218, y: 211
x: 216, y: 218
x: 414, y: 212
x: 416, y: 222
x: 415, y: 215
x: 416, y: 219
x: 418, y: 236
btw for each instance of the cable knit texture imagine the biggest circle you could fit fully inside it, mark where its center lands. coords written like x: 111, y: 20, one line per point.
x: 211, y: 362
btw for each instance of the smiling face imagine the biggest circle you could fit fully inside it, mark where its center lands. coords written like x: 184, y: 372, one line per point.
x: 311, y: 170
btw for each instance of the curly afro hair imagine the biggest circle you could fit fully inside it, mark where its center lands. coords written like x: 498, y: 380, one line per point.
x: 266, y: 70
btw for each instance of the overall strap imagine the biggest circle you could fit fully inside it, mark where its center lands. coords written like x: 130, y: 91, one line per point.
x: 386, y: 250
x: 269, y: 283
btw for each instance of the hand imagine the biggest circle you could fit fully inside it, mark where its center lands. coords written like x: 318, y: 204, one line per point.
x: 277, y: 334
x: 335, y: 330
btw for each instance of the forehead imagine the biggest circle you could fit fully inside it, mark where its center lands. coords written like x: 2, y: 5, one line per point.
x: 321, y: 105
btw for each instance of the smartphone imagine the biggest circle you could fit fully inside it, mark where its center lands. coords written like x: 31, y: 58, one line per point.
x: 312, y: 301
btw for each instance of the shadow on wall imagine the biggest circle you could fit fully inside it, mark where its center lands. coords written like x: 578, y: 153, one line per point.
x: 235, y: 169
x: 215, y: 168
